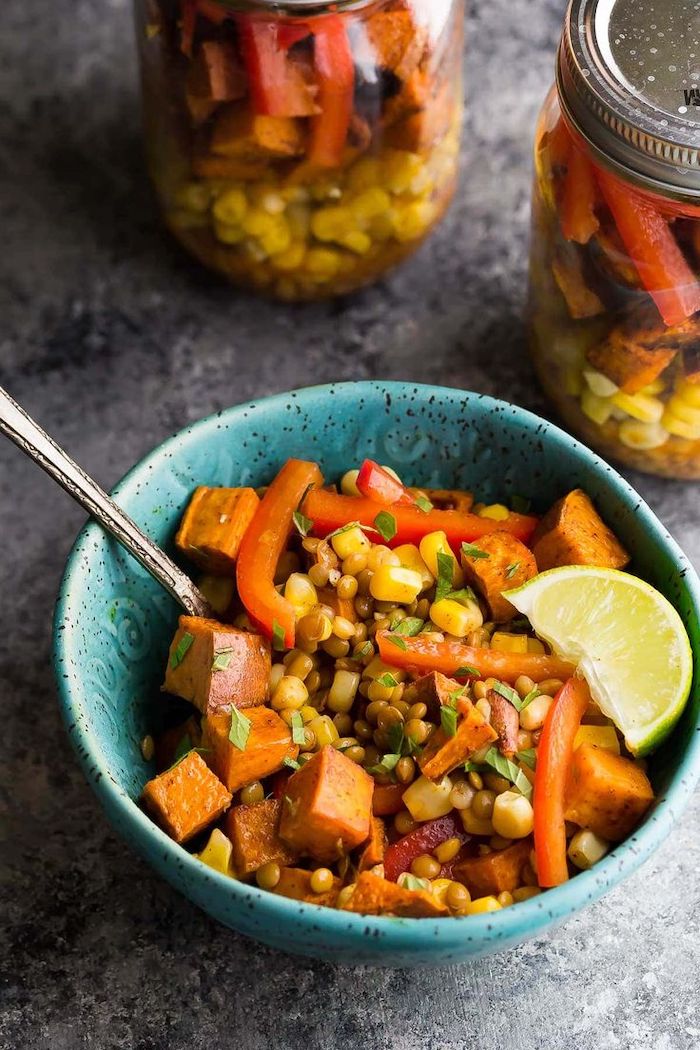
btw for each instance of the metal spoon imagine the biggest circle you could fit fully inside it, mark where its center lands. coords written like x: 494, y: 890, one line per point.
x: 36, y: 443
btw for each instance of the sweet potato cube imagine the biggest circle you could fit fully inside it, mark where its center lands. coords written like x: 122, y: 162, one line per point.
x: 509, y: 564
x: 496, y: 872
x: 186, y: 798
x: 398, y: 43
x: 605, y: 792
x: 238, y: 132
x: 505, y: 721
x: 375, y: 847
x: 269, y: 743
x: 376, y: 896
x: 216, y: 667
x: 327, y: 806
x: 433, y: 689
x: 213, y: 526
x: 573, y: 533
x: 443, y: 753
x: 296, y: 883
x: 635, y: 352
x: 184, y: 736
x: 253, y: 831
x: 215, y: 75
x: 581, y: 301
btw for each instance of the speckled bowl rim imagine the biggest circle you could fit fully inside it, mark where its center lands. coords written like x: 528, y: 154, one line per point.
x: 512, y: 924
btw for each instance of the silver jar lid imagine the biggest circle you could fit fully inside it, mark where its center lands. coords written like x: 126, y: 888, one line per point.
x: 628, y: 76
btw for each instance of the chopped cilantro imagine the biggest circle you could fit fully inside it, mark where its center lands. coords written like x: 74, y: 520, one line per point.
x: 222, y: 658
x: 302, y: 524
x: 398, y: 641
x: 388, y: 680
x: 346, y: 528
x: 505, y: 768
x: 366, y: 649
x: 407, y: 881
x: 467, y: 672
x: 240, y: 729
x: 532, y: 695
x: 465, y: 596
x: 472, y: 551
x: 528, y: 757
x: 386, y: 525
x: 409, y: 627
x: 290, y: 763
x: 448, y: 720
x: 445, y: 571
x: 508, y: 694
x: 386, y: 765
x: 424, y: 504
x: 277, y: 636
x: 512, y: 569
x: 181, y: 649
x: 298, y: 734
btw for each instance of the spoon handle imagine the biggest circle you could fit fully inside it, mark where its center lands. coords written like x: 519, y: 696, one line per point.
x: 36, y: 443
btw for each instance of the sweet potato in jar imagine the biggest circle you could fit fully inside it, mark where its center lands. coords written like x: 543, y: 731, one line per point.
x: 301, y: 150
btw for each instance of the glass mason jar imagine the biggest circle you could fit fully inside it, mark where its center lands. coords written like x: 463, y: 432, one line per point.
x: 302, y: 148
x: 615, y: 250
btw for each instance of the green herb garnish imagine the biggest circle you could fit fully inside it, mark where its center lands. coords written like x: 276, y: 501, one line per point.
x: 412, y: 882
x: 409, y: 627
x: 386, y: 525
x: 445, y: 570
x: 532, y: 695
x: 467, y: 672
x: 366, y: 649
x: 182, y: 749
x: 277, y: 636
x: 508, y: 694
x: 290, y: 763
x: 505, y: 768
x: 222, y: 658
x: 528, y: 757
x: 387, y: 680
x: 472, y: 551
x: 240, y: 729
x: 401, y: 744
x: 302, y: 524
x: 512, y: 569
x: 448, y: 720
x: 398, y: 641
x: 386, y: 765
x: 346, y: 528
x: 465, y: 596
x: 424, y: 504
x: 181, y: 649
x: 298, y: 733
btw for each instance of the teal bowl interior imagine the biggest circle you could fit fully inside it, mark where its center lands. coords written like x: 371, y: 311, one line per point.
x: 113, y: 624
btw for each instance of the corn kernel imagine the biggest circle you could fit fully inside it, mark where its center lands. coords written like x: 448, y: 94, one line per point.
x: 364, y: 174
x: 679, y: 428
x: 381, y: 227
x: 604, y: 737
x: 322, y: 263
x: 482, y: 905
x: 348, y: 483
x: 534, y: 645
x: 356, y: 241
x: 393, y: 583
x: 428, y: 799
x: 413, y: 220
x: 351, y: 541
x: 299, y: 219
x: 331, y: 224
x: 598, y: 409
x: 324, y: 730
x: 436, y: 543
x: 278, y: 239
x: 195, y: 196
x: 654, y: 389
x: 257, y: 222
x: 639, y: 406
x: 217, y: 853
x: 300, y: 591
x: 495, y: 511
x: 509, y: 643
x: 230, y: 208
x: 228, y: 234
x: 439, y: 888
x: 410, y: 558
x: 454, y: 618
x: 586, y: 849
x: 599, y: 384
x: 690, y: 392
x: 370, y: 203
x: 399, y: 169
x: 643, y: 436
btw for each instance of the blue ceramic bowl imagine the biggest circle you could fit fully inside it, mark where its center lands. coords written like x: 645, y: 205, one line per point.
x: 113, y: 624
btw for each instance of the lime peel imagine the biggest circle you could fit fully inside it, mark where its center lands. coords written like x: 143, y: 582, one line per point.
x: 626, y: 639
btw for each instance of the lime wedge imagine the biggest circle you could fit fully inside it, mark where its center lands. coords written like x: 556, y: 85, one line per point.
x: 628, y: 641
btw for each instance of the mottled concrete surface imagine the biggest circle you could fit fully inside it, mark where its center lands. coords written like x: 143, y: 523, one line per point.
x: 113, y: 339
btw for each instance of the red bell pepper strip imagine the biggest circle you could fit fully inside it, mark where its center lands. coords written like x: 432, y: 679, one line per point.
x: 387, y: 799
x: 263, y: 542
x: 278, y: 87
x: 335, y: 76
x: 424, y: 654
x: 553, y: 755
x: 378, y: 484
x: 291, y: 33
x: 329, y: 511
x: 653, y: 249
x: 577, y: 210
x: 400, y: 855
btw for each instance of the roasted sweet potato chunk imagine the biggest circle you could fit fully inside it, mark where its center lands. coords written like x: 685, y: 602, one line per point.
x: 253, y: 831
x: 213, y: 526
x: 581, y: 301
x: 496, y: 872
x: 433, y: 689
x: 296, y: 883
x: 443, y: 753
x: 269, y: 743
x: 398, y: 43
x: 215, y: 75
x: 216, y: 667
x: 573, y: 533
x: 605, y: 792
x: 327, y: 806
x: 186, y: 798
x: 238, y: 132
x: 376, y: 896
x: 505, y: 721
x: 636, y: 351
x: 375, y: 848
x: 508, y: 564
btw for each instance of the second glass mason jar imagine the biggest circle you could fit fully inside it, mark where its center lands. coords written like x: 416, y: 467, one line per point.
x: 302, y: 148
x: 615, y: 251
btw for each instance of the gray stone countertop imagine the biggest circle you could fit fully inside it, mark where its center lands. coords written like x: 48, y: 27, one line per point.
x: 113, y: 339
